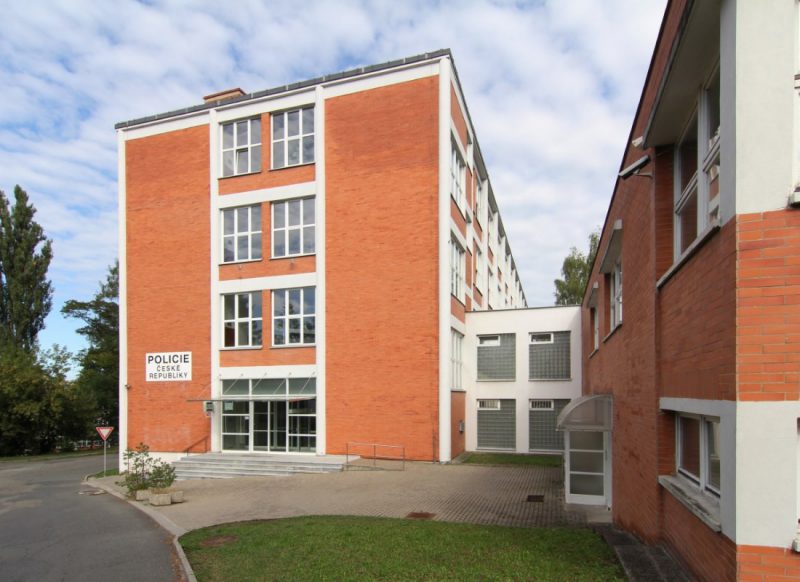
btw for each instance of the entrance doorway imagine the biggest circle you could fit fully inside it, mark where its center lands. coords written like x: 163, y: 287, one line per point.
x: 273, y: 426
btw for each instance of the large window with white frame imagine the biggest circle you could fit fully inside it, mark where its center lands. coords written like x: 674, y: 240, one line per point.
x: 697, y: 167
x: 480, y: 271
x: 480, y: 204
x: 292, y: 138
x: 242, y: 320
x: 458, y: 172
x: 294, y: 316
x: 241, y: 147
x: 293, y: 227
x: 241, y: 234
x: 457, y: 268
x: 698, y: 451
x: 456, y: 360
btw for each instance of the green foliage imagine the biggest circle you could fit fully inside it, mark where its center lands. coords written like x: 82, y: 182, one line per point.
x: 575, y: 273
x: 512, y: 459
x: 99, y: 375
x: 369, y: 548
x: 25, y: 254
x: 145, y: 472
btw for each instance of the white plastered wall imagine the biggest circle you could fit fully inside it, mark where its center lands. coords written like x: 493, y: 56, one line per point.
x: 520, y: 322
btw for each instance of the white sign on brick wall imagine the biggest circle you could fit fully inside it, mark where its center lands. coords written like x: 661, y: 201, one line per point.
x: 168, y: 367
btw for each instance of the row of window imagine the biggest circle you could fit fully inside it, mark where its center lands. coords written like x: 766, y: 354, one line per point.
x: 292, y: 142
x: 548, y: 357
x: 293, y: 230
x: 293, y: 318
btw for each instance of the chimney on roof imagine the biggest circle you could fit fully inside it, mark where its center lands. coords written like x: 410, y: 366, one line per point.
x: 224, y: 95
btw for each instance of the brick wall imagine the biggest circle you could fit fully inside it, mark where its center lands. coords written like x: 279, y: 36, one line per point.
x: 167, y: 252
x: 768, y: 305
x: 764, y: 564
x: 382, y: 268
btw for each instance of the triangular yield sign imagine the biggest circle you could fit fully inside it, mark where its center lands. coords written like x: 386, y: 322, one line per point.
x: 105, y: 431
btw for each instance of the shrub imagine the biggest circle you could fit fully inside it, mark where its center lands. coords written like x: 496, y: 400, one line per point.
x: 145, y: 472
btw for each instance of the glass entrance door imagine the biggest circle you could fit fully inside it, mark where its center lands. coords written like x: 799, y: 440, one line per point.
x: 588, y: 471
x: 269, y: 426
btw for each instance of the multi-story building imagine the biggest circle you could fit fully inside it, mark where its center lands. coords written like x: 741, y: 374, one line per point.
x: 692, y: 367
x: 296, y: 265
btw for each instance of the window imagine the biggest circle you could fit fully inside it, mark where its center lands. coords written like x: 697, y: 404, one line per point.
x: 497, y: 360
x: 241, y: 234
x: 541, y: 405
x: 242, y: 320
x: 595, y: 328
x: 293, y: 227
x: 480, y: 271
x: 241, y: 147
x: 292, y: 138
x: 457, y: 261
x: 615, y: 295
x: 698, y: 453
x: 479, y: 199
x: 549, y: 356
x: 455, y: 359
x: 488, y: 405
x: 293, y: 316
x: 697, y: 192
x: 457, y: 178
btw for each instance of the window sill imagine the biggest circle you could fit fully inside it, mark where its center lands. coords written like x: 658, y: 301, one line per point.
x: 240, y: 262
x: 705, y: 507
x: 239, y: 348
x: 461, y: 390
x: 461, y: 301
x: 500, y: 380
x: 549, y: 379
x: 239, y: 175
x: 612, y: 332
x: 594, y: 351
x: 284, y: 346
x: 698, y: 243
x: 292, y: 256
x: 292, y: 166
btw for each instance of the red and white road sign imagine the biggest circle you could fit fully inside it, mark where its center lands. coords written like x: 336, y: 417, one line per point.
x: 105, y: 431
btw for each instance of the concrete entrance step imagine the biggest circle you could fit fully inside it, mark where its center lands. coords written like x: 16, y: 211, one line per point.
x: 642, y: 563
x: 224, y: 465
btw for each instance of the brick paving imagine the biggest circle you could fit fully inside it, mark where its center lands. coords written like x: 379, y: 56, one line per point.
x: 489, y: 495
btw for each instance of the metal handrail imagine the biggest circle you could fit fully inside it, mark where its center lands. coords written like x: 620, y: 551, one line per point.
x: 191, y: 446
x: 375, y: 457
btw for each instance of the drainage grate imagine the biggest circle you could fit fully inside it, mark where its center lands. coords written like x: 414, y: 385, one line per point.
x: 536, y: 498
x: 421, y: 515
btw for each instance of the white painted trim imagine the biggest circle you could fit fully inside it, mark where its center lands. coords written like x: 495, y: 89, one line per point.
x: 235, y: 111
x: 215, y: 305
x: 444, y: 257
x: 302, y: 190
x: 378, y: 79
x: 321, y: 329
x: 165, y: 126
x: 258, y: 372
x: 123, y: 298
x: 267, y: 283
x: 717, y: 408
x: 458, y: 325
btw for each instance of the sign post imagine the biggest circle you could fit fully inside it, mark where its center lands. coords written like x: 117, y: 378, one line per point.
x: 105, y: 432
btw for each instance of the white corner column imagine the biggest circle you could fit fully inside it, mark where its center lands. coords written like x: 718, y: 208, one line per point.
x: 444, y: 258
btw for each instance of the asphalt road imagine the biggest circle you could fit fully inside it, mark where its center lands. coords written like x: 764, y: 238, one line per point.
x: 54, y: 528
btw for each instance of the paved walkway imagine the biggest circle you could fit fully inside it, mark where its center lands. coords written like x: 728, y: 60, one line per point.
x: 459, y: 493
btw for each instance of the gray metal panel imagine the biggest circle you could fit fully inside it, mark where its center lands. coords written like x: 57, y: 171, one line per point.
x: 550, y: 361
x: 498, y: 362
x: 542, y: 434
x: 497, y: 429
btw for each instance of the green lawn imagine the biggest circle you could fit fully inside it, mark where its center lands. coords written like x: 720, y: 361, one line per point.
x: 512, y: 459
x: 111, y: 452
x: 108, y: 473
x: 365, y: 548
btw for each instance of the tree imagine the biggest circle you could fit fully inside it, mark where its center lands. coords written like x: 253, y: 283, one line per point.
x: 99, y: 375
x: 25, y: 254
x: 575, y: 273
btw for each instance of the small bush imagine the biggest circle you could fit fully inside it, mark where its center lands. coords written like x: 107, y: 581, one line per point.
x: 145, y: 472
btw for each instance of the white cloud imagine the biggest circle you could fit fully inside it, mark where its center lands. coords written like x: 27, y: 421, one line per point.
x: 551, y: 86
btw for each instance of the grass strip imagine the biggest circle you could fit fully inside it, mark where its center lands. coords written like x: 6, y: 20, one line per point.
x: 368, y: 548
x: 512, y: 459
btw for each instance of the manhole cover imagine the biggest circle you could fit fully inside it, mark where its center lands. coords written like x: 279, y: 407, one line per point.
x: 217, y: 541
x: 421, y: 515
x: 536, y: 498
x: 91, y: 492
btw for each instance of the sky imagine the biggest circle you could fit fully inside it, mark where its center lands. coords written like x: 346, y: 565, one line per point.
x: 552, y: 88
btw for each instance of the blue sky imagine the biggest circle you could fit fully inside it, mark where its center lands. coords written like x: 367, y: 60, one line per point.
x: 552, y: 88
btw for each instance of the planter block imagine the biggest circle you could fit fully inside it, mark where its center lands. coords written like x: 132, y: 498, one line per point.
x: 160, y: 499
x: 177, y: 496
x: 142, y: 495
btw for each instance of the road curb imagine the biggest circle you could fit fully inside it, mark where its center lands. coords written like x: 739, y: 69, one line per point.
x: 170, y: 526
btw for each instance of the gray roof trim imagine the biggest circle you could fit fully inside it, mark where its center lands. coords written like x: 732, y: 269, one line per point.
x: 288, y: 88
